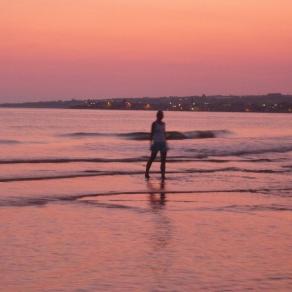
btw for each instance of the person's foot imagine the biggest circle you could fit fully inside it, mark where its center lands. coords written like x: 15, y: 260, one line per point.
x: 147, y: 175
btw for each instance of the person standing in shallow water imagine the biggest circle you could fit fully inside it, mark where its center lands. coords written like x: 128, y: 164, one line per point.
x: 158, y: 144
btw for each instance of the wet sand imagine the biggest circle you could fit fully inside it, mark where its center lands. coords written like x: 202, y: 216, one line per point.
x: 143, y: 235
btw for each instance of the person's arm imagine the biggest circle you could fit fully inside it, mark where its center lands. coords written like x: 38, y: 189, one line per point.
x: 165, y: 132
x: 152, y: 132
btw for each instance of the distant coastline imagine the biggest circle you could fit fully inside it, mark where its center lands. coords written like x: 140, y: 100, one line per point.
x: 270, y: 103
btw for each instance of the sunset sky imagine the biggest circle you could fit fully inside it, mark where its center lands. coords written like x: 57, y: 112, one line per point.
x: 62, y: 49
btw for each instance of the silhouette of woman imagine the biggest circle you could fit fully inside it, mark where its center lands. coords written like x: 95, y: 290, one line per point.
x: 158, y: 144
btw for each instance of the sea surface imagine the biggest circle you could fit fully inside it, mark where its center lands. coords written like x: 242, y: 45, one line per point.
x: 76, y: 213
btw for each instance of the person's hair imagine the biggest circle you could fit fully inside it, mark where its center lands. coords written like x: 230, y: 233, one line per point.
x: 159, y: 113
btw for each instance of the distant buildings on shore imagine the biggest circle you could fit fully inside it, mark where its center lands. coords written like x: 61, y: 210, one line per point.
x: 273, y: 102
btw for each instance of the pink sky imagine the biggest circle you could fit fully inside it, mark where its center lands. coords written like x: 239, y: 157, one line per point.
x: 53, y: 49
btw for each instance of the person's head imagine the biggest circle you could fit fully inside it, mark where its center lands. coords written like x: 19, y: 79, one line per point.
x: 159, y: 115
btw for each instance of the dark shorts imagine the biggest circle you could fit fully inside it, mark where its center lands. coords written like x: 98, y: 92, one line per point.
x: 159, y: 146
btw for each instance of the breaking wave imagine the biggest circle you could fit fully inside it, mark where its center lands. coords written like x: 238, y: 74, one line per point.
x: 141, y: 136
x: 175, y: 135
x: 9, y: 142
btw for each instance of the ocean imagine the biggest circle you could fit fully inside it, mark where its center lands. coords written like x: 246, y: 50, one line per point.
x: 78, y: 215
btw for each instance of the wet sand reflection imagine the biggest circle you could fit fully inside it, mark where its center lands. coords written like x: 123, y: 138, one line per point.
x: 161, y: 257
x: 157, y: 195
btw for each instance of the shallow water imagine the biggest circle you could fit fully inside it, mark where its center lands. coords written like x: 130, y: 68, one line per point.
x: 77, y: 215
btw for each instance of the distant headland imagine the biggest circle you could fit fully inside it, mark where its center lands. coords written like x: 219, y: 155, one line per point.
x: 271, y: 103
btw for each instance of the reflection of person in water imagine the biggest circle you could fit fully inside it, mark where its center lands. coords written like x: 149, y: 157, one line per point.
x: 158, y: 144
x: 154, y: 201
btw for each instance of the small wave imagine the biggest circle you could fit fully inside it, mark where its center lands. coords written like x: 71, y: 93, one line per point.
x: 235, y: 169
x: 85, y: 134
x: 251, y: 208
x: 9, y: 142
x: 95, y: 173
x: 241, y: 152
x: 72, y: 160
x: 40, y: 201
x: 170, y: 159
x: 86, y: 173
x: 287, y: 166
x: 141, y: 136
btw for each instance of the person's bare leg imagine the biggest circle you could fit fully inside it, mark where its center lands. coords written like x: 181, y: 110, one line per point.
x: 163, y: 162
x: 149, y: 163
